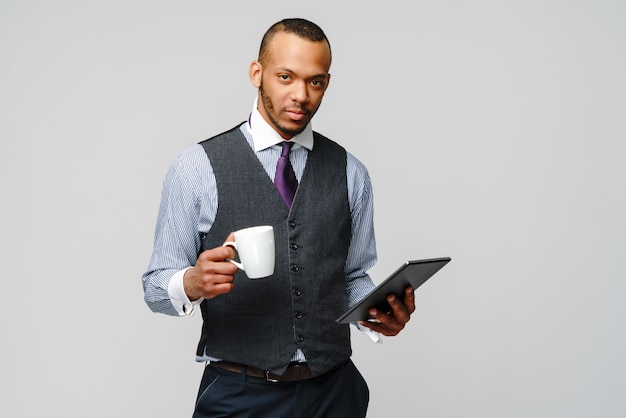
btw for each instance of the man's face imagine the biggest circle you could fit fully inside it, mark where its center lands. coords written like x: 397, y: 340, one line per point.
x: 291, y: 82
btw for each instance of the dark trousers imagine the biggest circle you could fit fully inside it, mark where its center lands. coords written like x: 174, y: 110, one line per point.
x: 341, y: 393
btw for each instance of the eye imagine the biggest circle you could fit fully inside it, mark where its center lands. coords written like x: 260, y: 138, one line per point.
x: 317, y: 83
x: 284, y: 77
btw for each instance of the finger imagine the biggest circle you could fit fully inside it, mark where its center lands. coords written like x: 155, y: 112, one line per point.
x: 217, y: 284
x: 216, y: 279
x: 231, y: 237
x: 409, y: 299
x: 217, y: 254
x: 383, y: 322
x: 226, y: 267
x: 219, y: 289
x: 380, y: 327
x: 209, y: 269
x: 399, y: 310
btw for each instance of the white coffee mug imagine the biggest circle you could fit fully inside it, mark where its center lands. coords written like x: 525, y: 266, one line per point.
x: 255, y: 246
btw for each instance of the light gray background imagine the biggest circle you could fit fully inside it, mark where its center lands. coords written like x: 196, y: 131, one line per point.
x: 493, y: 131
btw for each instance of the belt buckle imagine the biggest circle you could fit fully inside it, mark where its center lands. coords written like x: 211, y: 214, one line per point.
x: 268, y: 378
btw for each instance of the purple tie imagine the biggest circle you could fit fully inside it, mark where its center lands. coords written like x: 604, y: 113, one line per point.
x: 285, y: 178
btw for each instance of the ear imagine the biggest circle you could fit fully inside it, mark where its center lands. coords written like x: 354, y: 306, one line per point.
x: 255, y: 73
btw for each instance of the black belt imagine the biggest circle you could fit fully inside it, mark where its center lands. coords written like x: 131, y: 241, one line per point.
x: 295, y: 372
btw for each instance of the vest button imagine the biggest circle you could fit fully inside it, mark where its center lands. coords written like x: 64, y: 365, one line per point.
x: 292, y: 224
x: 297, y: 292
x: 295, y: 267
x: 299, y: 315
x: 300, y: 338
x: 294, y: 246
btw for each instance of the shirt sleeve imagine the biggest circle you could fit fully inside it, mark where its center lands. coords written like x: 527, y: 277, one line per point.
x: 186, y: 208
x: 362, y: 251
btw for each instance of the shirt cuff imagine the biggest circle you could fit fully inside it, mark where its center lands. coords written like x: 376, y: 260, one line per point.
x: 374, y: 336
x: 178, y: 297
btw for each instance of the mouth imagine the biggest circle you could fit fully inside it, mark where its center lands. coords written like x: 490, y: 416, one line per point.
x: 296, y: 114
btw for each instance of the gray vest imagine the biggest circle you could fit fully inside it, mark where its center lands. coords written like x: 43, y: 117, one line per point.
x: 262, y: 322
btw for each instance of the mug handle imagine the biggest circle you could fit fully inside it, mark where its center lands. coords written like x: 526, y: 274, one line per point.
x: 234, y: 245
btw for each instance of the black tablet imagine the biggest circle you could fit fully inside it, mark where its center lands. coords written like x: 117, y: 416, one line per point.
x: 413, y: 273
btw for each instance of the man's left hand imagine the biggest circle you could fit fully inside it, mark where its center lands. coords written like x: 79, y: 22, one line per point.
x: 392, y: 322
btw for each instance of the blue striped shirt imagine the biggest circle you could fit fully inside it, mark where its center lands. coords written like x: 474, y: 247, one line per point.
x: 189, y: 205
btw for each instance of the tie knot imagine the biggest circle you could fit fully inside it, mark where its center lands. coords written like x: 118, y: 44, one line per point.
x: 286, y: 148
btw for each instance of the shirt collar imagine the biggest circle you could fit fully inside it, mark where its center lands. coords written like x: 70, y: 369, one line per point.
x: 264, y: 136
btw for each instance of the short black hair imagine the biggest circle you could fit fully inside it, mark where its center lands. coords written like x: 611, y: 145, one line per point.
x: 301, y: 27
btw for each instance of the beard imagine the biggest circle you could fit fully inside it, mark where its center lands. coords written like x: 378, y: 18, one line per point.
x: 270, y: 109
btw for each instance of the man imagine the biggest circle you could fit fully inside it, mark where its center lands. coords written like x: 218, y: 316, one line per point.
x: 272, y: 345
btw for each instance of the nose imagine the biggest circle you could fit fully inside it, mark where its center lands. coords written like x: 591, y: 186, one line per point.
x: 299, y: 92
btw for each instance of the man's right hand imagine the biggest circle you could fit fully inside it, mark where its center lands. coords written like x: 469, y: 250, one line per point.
x: 212, y: 275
